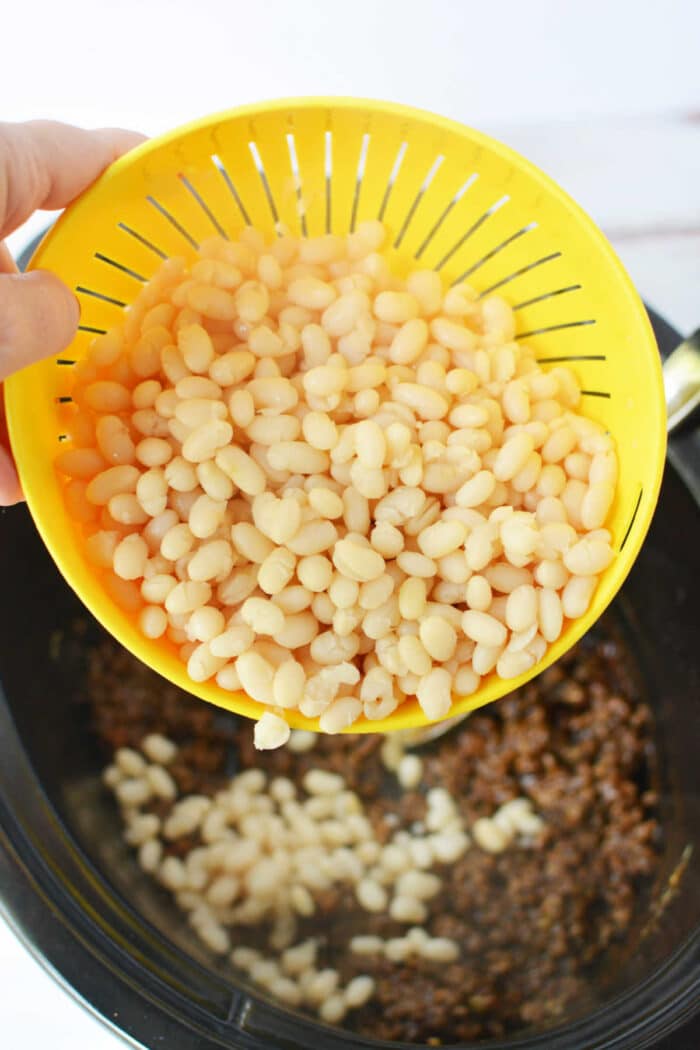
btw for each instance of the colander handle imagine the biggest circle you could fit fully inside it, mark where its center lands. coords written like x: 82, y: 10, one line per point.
x: 682, y: 380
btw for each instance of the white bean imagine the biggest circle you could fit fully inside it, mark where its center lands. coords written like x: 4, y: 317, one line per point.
x: 434, y: 693
x: 271, y: 731
x: 483, y: 628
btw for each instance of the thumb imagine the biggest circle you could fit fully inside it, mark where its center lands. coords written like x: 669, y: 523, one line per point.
x: 38, y: 318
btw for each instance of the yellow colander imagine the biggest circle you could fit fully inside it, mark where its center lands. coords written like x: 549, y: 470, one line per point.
x: 452, y: 199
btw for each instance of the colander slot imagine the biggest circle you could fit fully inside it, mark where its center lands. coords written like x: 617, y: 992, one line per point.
x: 393, y: 175
x: 204, y: 206
x: 472, y: 230
x: 296, y: 173
x: 455, y: 200
x: 596, y: 393
x: 121, y: 267
x: 494, y: 251
x: 257, y: 160
x: 221, y: 168
x: 91, y: 329
x: 547, y: 295
x: 62, y: 437
x: 519, y: 273
x: 554, y: 328
x: 633, y: 518
x: 432, y: 172
x: 173, y: 221
x: 142, y: 240
x: 328, y: 168
x: 65, y: 399
x: 99, y: 295
x: 65, y: 361
x: 361, y: 165
x: 570, y: 357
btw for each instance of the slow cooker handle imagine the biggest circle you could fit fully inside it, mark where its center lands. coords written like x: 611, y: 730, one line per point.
x: 682, y: 380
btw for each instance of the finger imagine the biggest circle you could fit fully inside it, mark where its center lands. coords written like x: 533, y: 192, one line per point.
x: 44, y: 164
x: 10, y: 490
x: 38, y: 318
x: 7, y: 263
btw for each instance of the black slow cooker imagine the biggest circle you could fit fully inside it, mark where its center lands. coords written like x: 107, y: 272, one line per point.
x: 73, y: 893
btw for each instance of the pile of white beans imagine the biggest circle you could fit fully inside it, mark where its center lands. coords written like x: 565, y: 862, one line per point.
x: 268, y: 847
x: 333, y: 488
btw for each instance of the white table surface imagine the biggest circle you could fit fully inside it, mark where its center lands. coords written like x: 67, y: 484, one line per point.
x: 604, y: 96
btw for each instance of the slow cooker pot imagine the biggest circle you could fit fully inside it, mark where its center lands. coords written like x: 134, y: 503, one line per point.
x: 74, y: 893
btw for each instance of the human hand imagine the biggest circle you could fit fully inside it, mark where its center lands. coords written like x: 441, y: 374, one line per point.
x: 43, y: 164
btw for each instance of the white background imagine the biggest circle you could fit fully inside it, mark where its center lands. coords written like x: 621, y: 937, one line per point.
x: 603, y: 94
